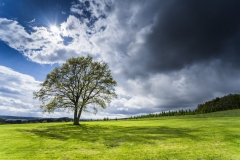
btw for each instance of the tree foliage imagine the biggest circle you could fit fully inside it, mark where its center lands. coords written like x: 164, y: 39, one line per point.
x: 229, y: 102
x: 77, y: 84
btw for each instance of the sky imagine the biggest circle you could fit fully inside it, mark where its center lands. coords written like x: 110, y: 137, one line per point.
x: 164, y: 55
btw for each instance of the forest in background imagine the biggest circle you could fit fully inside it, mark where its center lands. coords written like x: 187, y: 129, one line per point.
x: 228, y: 102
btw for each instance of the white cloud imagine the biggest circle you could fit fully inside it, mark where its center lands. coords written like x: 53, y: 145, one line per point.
x: 32, y: 21
x: 16, y: 95
x: 109, y: 38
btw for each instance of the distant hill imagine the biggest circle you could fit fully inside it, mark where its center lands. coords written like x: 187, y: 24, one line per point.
x: 18, y: 117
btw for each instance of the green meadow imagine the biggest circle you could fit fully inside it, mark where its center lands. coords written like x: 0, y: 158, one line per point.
x: 208, y: 136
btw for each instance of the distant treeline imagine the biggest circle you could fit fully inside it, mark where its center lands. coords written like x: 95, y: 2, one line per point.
x: 229, y: 102
x: 165, y: 113
x: 2, y: 121
x: 154, y: 115
x: 40, y: 120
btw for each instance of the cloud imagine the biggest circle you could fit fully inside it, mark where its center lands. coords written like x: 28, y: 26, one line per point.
x: 165, y: 55
x: 94, y: 34
x: 16, y: 93
x: 42, y: 46
x: 163, y: 36
x: 183, y: 89
x: 32, y: 21
x: 184, y: 33
x: 180, y: 53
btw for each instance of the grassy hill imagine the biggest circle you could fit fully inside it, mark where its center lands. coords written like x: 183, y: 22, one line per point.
x: 207, y: 136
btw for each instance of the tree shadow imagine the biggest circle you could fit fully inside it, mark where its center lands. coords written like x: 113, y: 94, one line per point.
x: 112, y: 136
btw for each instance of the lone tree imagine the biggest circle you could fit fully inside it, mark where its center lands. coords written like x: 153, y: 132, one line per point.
x: 75, y: 85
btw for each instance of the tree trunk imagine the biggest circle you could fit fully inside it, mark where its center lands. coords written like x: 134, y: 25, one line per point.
x: 79, y: 113
x: 75, y: 118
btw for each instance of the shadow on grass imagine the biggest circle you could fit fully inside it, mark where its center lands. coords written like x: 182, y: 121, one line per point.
x: 111, y: 136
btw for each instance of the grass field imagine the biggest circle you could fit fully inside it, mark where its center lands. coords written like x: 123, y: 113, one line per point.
x: 209, y: 136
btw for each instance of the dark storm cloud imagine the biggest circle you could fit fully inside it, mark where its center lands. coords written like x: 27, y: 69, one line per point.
x: 188, y: 32
x: 133, y: 111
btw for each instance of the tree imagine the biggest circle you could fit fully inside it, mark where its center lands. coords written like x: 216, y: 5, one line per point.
x: 75, y: 85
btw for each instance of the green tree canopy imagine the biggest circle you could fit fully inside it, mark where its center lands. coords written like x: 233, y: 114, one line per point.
x: 228, y: 102
x: 75, y: 85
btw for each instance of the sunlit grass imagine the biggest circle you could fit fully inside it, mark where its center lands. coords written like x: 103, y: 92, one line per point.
x: 212, y: 136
